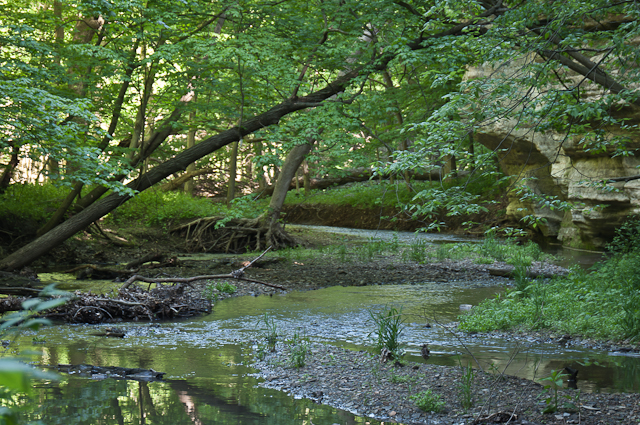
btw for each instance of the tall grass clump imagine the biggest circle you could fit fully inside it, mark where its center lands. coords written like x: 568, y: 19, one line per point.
x: 603, y: 303
x: 389, y: 328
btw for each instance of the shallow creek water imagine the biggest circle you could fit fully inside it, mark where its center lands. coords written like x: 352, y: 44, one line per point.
x: 206, y: 359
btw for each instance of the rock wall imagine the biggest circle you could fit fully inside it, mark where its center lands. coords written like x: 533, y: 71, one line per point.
x: 562, y: 168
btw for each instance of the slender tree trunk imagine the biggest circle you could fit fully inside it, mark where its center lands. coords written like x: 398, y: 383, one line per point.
x: 115, y: 117
x: 233, y: 171
x: 7, y: 174
x: 472, y: 152
x: 404, y: 145
x: 141, y: 116
x: 53, y: 166
x: 287, y: 173
x: 307, y: 177
x: 191, y: 142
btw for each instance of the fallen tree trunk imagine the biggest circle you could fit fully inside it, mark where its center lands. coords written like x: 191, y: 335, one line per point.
x: 357, y: 175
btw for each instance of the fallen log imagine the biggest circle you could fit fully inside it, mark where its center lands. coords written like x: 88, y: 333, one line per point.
x: 101, y: 372
x: 236, y: 274
x: 188, y: 280
x: 357, y: 175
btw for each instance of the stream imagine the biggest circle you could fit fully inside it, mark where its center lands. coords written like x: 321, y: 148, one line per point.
x: 206, y: 359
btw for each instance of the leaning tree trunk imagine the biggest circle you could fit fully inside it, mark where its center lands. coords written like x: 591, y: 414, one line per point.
x: 242, y: 235
x: 276, y: 234
x: 76, y: 223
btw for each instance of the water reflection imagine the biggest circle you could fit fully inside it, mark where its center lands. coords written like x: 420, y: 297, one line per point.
x: 206, y: 386
x: 175, y: 402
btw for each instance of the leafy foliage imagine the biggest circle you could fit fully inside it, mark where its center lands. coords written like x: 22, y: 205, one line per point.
x: 601, y: 303
x: 15, y: 375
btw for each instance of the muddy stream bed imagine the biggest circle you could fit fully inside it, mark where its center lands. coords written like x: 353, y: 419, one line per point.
x: 208, y: 360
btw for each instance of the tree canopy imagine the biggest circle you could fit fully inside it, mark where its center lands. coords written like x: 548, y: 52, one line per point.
x: 104, y: 94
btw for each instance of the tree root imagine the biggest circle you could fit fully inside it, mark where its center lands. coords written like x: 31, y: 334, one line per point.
x: 236, y: 236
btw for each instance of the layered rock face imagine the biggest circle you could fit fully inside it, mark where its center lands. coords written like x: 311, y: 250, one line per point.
x: 560, y: 167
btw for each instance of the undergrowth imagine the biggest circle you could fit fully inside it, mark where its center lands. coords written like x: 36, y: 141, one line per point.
x: 154, y: 208
x: 36, y: 203
x: 31, y: 203
x: 415, y: 197
x: 603, y: 303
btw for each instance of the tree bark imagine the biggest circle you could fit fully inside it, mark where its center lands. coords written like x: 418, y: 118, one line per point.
x: 287, y: 173
x: 191, y: 168
x: 7, y: 174
x: 233, y: 172
x: 186, y: 178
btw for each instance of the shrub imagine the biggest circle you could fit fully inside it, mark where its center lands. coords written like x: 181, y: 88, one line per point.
x: 427, y: 401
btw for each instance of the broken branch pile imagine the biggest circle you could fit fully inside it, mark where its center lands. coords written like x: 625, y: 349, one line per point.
x: 134, y: 303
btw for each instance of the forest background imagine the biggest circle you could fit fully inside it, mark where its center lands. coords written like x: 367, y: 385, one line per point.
x: 108, y: 99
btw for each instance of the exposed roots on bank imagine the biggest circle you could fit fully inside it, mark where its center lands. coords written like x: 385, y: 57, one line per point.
x: 236, y: 236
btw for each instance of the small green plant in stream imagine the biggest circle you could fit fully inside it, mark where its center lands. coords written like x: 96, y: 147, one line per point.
x: 521, y: 262
x: 466, y: 382
x: 299, y: 350
x: 270, y: 334
x: 389, y: 328
x: 552, y: 384
x: 400, y: 379
x: 226, y: 288
x: 220, y: 287
x: 427, y: 401
x: 342, y: 253
x: 417, y: 251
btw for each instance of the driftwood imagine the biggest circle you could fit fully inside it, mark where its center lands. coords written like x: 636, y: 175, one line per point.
x: 236, y: 274
x: 134, y: 303
x: 101, y: 372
